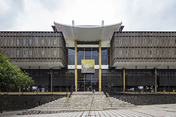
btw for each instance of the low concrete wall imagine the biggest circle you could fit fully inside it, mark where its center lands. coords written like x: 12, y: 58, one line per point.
x: 27, y: 102
x: 147, y: 99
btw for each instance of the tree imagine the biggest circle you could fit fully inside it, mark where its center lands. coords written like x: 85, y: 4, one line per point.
x: 12, y: 77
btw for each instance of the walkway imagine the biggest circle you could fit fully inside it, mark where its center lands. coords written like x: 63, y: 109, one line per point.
x: 168, y: 110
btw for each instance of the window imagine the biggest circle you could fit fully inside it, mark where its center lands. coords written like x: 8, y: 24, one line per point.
x: 36, y: 41
x: 175, y: 41
x: 12, y: 41
x: 144, y: 41
x: 24, y: 41
x: 138, y: 52
x: 126, y: 52
x: 42, y: 41
x: 169, y: 52
x: 42, y: 52
x: 17, y: 41
x: 12, y: 52
x: 132, y: 41
x: 175, y: 52
x: 144, y: 52
x: 49, y: 52
x: 120, y: 52
x: 163, y: 41
x: 150, y: 41
x: 30, y: 41
x: 156, y: 41
x: 54, y: 41
x: 18, y: 52
x: 132, y: 52
x: 30, y: 53
x: 126, y: 41
x: 48, y: 41
x: 5, y: 41
x: 54, y: 52
x: 120, y: 41
x: 150, y: 52
x: 138, y: 41
x: 168, y: 41
x: 24, y: 52
x: 36, y: 52
x: 162, y: 52
x: 156, y: 52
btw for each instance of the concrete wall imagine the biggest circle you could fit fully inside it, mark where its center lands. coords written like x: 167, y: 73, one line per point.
x: 158, y: 43
x: 27, y: 102
x: 147, y: 99
x: 33, y: 46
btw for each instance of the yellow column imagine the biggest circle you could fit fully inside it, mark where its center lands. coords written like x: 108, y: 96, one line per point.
x: 123, y: 79
x: 76, y: 72
x: 155, y: 80
x: 99, y: 66
x: 51, y: 80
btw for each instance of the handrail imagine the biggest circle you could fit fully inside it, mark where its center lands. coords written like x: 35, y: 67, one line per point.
x: 67, y: 97
x: 109, y: 98
x: 91, y: 102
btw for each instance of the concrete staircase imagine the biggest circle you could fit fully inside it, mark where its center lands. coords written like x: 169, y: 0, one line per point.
x: 80, y: 101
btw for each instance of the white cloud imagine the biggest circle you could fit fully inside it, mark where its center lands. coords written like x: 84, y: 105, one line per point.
x: 40, y: 14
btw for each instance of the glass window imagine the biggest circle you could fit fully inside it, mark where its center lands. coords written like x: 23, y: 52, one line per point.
x: 80, y: 51
x: 87, y: 51
x: 169, y: 52
x: 24, y: 41
x: 138, y: 41
x: 175, y: 52
x: 87, y: 57
x: 54, y: 41
x: 24, y: 52
x: 132, y: 41
x: 79, y: 59
x: 30, y: 52
x: 30, y: 41
x: 156, y: 41
x: 95, y: 75
x: 168, y: 41
x: 17, y: 41
x: 126, y: 52
x: 163, y: 41
x: 42, y: 41
x: 175, y: 41
x: 49, y: 41
x: 96, y: 59
x: 120, y: 52
x: 71, y: 51
x: 18, y: 52
x: 144, y: 52
x: 12, y: 41
x: 36, y: 52
x: 119, y: 41
x: 162, y: 52
x: 156, y: 52
x: 150, y: 41
x: 5, y: 41
x: 104, y: 60
x: 94, y: 51
x: 71, y: 60
x: 49, y: 52
x: 144, y: 41
x: 104, y: 51
x: 132, y: 52
x: 138, y: 52
x: 150, y: 52
x: 42, y: 52
x: 36, y: 41
x: 12, y: 52
x: 54, y: 52
x: 126, y: 41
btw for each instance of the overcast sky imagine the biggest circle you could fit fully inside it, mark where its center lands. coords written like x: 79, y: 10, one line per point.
x: 39, y: 15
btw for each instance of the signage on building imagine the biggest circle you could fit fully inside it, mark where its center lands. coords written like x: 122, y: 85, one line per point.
x: 87, y: 66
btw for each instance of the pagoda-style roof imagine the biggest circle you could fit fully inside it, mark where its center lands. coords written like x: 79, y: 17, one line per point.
x: 87, y: 32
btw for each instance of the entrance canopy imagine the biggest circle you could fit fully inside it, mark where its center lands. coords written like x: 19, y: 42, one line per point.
x: 87, y: 32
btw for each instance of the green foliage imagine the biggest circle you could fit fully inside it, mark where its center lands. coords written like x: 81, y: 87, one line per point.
x: 11, y: 76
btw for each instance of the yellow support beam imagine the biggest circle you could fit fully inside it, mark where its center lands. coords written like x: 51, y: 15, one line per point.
x: 76, y: 71
x: 123, y: 79
x: 155, y: 80
x: 99, y: 78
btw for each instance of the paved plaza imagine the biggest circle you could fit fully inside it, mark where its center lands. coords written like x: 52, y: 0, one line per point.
x: 166, y: 110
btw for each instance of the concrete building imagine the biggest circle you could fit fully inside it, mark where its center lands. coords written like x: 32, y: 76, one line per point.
x: 120, y: 61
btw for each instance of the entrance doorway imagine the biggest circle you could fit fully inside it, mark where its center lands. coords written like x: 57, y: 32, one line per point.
x: 87, y: 82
